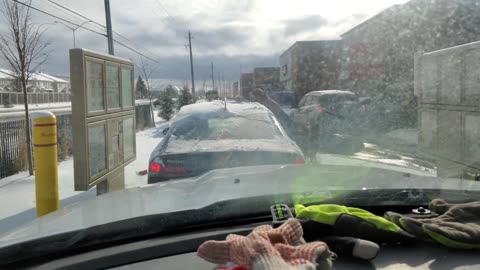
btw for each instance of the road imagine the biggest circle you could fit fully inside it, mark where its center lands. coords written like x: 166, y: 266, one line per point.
x: 377, y: 156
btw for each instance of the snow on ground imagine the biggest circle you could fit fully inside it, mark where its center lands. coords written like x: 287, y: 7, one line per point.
x: 56, y: 105
x: 376, y: 154
x: 17, y: 192
x: 20, y: 107
x: 17, y: 112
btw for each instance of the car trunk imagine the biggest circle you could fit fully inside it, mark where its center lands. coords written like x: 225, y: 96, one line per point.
x: 193, y: 164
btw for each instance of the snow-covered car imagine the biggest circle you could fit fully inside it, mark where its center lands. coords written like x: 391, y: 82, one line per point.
x: 335, y: 116
x: 215, y: 135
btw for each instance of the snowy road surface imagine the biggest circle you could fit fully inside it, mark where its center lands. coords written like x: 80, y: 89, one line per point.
x: 17, y: 193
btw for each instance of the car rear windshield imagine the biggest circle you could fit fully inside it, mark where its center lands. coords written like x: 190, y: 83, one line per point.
x: 224, y: 127
x: 325, y: 100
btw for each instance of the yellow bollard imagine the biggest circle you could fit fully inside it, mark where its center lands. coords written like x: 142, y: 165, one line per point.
x: 45, y: 155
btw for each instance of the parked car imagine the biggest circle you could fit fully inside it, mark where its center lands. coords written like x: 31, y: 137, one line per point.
x: 212, y: 135
x: 336, y: 118
x: 284, y: 98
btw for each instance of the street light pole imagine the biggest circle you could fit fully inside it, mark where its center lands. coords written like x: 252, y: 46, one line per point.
x: 109, y: 27
x: 73, y: 29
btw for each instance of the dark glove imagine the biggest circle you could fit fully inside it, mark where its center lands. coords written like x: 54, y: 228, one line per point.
x: 457, y: 226
x: 331, y: 219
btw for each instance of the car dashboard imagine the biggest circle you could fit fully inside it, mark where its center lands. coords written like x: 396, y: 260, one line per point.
x: 178, y: 252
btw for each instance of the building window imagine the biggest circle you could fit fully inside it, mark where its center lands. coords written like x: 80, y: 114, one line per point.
x: 284, y: 70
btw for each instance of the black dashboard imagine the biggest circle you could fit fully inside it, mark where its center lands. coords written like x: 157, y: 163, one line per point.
x: 390, y: 258
x: 178, y: 252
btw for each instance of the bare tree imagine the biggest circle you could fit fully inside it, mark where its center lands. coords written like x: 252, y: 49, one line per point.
x: 146, y: 71
x: 24, y: 51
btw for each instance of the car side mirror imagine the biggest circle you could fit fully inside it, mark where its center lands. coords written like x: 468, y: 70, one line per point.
x: 165, y: 131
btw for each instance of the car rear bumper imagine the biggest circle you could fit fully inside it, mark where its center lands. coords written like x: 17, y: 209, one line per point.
x: 158, y: 179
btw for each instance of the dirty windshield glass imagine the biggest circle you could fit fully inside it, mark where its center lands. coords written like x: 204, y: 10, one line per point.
x: 122, y: 109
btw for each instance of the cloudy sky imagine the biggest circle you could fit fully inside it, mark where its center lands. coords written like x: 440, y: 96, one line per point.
x: 231, y: 33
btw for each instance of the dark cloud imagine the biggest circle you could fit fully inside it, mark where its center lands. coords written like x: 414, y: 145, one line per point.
x: 178, y: 67
x: 224, y: 36
x: 306, y: 24
x: 223, y: 33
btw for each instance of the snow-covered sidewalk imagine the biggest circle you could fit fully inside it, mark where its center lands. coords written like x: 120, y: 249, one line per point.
x: 17, y: 192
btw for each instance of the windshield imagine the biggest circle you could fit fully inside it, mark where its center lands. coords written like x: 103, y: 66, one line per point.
x: 176, y: 105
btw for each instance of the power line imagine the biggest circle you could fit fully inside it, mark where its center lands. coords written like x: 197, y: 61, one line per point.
x: 101, y: 25
x: 163, y: 8
x: 57, y: 17
x: 86, y: 28
x: 169, y: 18
x: 59, y: 9
x: 76, y: 13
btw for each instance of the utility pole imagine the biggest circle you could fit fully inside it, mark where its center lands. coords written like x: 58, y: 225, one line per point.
x: 109, y: 27
x: 116, y: 181
x: 224, y: 86
x: 213, y: 80
x: 240, y: 82
x: 191, y: 64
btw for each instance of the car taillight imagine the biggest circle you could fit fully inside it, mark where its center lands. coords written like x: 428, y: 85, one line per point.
x: 299, y: 162
x: 363, y: 108
x: 155, y: 167
x: 320, y: 110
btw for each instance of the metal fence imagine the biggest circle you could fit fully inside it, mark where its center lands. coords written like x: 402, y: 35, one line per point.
x: 13, y: 150
x: 12, y: 138
x: 33, y: 98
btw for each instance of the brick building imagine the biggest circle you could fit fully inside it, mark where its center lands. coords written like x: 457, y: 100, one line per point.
x: 246, y: 84
x: 310, y: 65
x: 267, y: 78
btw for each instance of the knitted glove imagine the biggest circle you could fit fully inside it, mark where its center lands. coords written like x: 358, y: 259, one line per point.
x: 266, y: 248
x: 457, y: 226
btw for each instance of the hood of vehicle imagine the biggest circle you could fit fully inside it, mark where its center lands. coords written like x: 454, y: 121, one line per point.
x: 278, y: 144
x: 223, y: 185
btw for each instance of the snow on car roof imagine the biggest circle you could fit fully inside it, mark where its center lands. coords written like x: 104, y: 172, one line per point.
x: 331, y: 92
x: 244, y: 108
x: 277, y: 144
